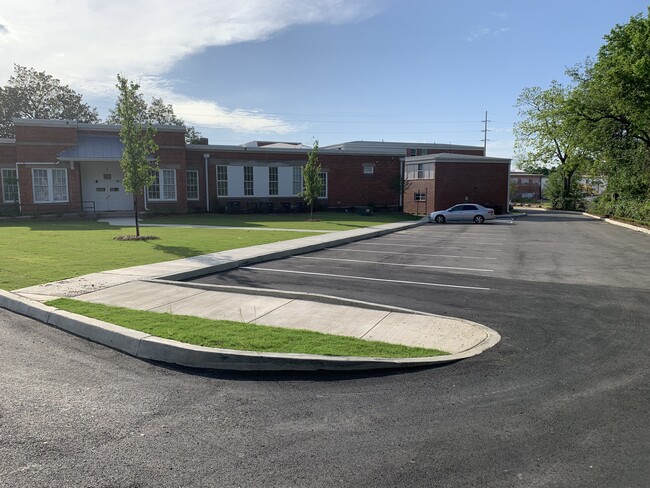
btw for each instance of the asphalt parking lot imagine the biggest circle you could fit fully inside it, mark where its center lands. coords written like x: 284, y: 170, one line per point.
x: 562, y: 400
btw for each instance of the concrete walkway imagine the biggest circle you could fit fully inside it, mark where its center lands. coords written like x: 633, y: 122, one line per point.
x: 130, y: 222
x: 149, y: 287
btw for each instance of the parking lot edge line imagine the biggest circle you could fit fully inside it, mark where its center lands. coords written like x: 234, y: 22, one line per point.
x: 397, y: 264
x: 439, y: 285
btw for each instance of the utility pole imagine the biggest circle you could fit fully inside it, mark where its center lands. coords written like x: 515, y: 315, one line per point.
x: 485, y: 131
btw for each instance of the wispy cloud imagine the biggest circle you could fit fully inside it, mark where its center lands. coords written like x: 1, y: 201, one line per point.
x: 479, y: 32
x: 85, y: 43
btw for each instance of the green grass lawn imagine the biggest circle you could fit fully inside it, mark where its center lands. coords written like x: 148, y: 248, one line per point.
x: 324, y: 220
x: 34, y: 252
x: 239, y: 336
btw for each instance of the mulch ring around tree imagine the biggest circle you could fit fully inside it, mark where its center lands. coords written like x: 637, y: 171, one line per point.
x: 135, y: 238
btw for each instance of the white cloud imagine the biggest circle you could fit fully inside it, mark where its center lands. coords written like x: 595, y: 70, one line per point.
x: 85, y: 43
x: 478, y: 32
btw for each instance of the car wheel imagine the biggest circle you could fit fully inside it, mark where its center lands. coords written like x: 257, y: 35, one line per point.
x: 440, y: 219
x: 479, y: 219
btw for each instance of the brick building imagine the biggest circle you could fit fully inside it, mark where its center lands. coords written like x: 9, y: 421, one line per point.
x: 439, y: 181
x: 526, y: 186
x: 55, y: 166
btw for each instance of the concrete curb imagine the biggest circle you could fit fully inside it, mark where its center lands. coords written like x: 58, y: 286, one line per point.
x: 285, y: 253
x: 616, y: 222
x: 145, y: 346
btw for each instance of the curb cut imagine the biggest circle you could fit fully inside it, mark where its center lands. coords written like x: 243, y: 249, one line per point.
x: 148, y: 347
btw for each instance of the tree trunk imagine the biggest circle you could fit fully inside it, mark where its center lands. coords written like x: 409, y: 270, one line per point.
x: 135, y: 214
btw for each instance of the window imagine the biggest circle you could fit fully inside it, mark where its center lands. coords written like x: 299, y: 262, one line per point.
x: 10, y: 185
x: 413, y: 152
x: 411, y: 172
x: 273, y: 180
x: 222, y: 181
x: 50, y: 185
x: 368, y: 169
x: 248, y: 181
x: 192, y: 184
x: 297, y: 180
x: 323, y: 188
x: 420, y: 196
x: 420, y: 171
x: 164, y: 186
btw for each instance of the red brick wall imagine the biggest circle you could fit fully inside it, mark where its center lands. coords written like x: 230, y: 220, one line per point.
x: 482, y: 183
x: 347, y: 184
x: 419, y: 208
x: 524, y: 187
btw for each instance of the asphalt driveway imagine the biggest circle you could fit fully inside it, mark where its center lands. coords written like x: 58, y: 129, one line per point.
x: 562, y: 400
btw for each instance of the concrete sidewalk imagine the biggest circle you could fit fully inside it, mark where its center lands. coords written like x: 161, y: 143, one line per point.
x: 149, y: 287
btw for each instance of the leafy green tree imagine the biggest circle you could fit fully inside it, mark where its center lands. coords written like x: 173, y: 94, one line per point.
x: 561, y: 199
x: 549, y: 134
x: 312, y: 179
x: 613, y: 98
x: 34, y: 94
x: 157, y: 112
x: 139, y: 145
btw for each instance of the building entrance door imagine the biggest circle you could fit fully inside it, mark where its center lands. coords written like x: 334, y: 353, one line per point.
x: 102, y: 184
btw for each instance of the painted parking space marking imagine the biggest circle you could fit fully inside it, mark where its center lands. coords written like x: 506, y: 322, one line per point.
x: 396, y: 264
x: 418, y: 246
x: 410, y: 254
x: 329, y: 275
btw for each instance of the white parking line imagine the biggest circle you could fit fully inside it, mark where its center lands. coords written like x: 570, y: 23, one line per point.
x: 420, y: 245
x: 410, y: 254
x: 440, y: 285
x: 395, y: 264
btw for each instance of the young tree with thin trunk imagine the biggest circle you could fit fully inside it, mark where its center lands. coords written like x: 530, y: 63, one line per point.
x: 312, y: 179
x: 138, y: 164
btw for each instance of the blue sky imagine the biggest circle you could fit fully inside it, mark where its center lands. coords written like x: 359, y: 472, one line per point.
x: 335, y: 70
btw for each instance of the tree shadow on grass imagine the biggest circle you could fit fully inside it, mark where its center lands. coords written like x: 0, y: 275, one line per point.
x: 178, y: 251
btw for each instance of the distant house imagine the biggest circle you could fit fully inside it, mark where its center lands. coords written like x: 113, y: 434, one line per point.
x: 526, y: 186
x: 59, y: 166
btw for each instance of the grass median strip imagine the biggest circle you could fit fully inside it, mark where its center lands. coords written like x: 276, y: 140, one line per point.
x: 237, y: 335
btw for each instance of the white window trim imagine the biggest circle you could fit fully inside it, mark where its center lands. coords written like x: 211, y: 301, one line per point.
x: 368, y: 169
x: 50, y: 186
x: 249, y: 184
x: 15, y: 178
x: 324, y: 187
x: 275, y: 181
x: 198, y: 186
x: 225, y: 180
x: 161, y: 191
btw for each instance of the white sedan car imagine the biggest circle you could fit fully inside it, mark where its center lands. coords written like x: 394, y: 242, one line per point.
x: 464, y: 212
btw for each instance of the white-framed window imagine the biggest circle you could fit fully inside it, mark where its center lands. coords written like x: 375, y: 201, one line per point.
x: 9, y: 185
x: 323, y: 188
x: 192, y: 184
x: 222, y: 181
x: 368, y: 169
x: 297, y: 180
x: 411, y: 172
x: 50, y: 185
x: 420, y: 171
x: 420, y: 196
x: 273, y: 180
x: 164, y: 186
x: 248, y: 181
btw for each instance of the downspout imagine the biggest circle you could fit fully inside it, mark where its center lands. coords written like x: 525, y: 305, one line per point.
x: 144, y: 198
x: 206, y: 158
x: 402, y: 181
